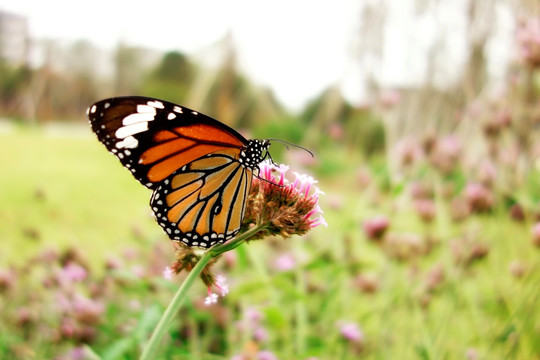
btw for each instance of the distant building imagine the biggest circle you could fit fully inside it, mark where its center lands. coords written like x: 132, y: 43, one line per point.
x: 14, y: 38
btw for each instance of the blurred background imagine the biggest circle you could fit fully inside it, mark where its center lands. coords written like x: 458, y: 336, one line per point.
x: 424, y: 119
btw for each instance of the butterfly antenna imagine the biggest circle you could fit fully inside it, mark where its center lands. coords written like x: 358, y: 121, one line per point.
x: 287, y: 144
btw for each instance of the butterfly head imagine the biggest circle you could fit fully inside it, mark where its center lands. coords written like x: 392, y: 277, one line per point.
x: 253, y: 153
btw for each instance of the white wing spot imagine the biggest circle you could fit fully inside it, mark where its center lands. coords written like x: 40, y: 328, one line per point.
x: 156, y: 104
x: 129, y: 130
x: 177, y: 109
x: 106, y: 105
x: 146, y: 109
x: 171, y: 116
x: 93, y: 109
x: 195, y: 113
x: 139, y: 118
x: 128, y: 142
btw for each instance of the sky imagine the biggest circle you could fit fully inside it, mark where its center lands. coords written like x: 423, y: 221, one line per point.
x: 295, y: 47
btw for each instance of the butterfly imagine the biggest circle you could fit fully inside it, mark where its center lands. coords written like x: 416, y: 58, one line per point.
x: 200, y: 170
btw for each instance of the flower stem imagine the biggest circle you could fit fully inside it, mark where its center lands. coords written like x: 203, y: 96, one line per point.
x: 173, y: 308
x: 237, y: 241
x: 178, y: 299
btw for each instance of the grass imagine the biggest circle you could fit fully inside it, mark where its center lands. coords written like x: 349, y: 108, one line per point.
x: 55, y: 190
x: 66, y: 191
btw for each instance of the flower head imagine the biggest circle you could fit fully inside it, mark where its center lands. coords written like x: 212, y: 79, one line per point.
x: 284, y: 208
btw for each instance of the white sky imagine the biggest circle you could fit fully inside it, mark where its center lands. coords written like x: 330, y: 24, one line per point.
x: 296, y: 47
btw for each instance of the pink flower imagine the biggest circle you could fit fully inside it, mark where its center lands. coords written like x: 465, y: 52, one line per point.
x: 287, y: 209
x: 390, y: 98
x: 408, y: 151
x: 351, y: 332
x: 7, y: 279
x: 211, y: 298
x: 220, y: 283
x: 266, y: 355
x: 88, y: 311
x: 535, y: 231
x: 375, y: 227
x: 167, y: 273
x: 425, y: 209
x: 73, y: 272
x: 285, y: 262
x: 528, y: 39
x: 480, y: 197
x: 260, y: 334
x: 253, y: 315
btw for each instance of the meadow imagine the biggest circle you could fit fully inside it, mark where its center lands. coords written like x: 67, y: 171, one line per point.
x: 423, y: 267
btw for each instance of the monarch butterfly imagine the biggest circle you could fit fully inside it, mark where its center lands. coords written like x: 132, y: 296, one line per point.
x: 199, y: 169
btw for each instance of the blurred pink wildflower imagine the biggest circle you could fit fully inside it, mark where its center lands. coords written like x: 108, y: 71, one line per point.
x: 376, y: 227
x: 285, y: 262
x: 351, y: 332
x: 535, y: 231
x: 479, y: 196
x: 528, y: 39
x: 167, y: 273
x: 266, y: 355
x: 73, y: 272
x: 220, y: 282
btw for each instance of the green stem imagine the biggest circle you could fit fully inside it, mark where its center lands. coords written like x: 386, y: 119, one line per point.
x: 173, y: 308
x: 237, y: 241
x: 178, y: 299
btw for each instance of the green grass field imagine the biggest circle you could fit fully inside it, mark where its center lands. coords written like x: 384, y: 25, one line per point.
x: 434, y: 297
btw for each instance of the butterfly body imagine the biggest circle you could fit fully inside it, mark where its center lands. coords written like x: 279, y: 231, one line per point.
x: 199, y: 169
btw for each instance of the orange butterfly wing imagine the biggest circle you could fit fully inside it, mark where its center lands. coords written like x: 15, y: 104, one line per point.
x: 200, y: 169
